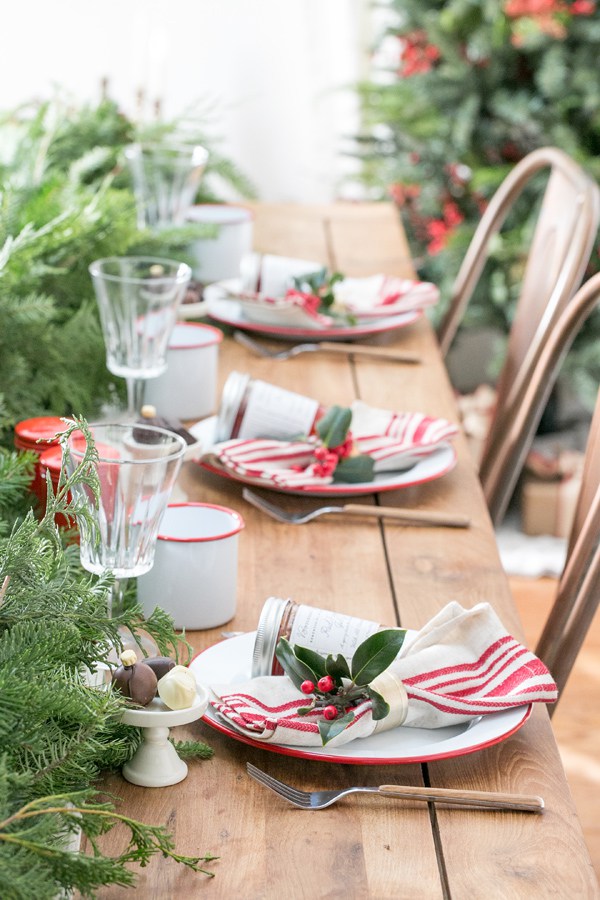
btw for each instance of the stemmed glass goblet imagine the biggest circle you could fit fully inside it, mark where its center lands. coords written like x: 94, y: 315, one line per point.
x: 138, y: 299
x: 136, y: 468
x: 165, y: 181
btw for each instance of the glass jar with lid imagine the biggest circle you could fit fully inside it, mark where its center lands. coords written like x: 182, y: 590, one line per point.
x: 251, y: 408
x: 37, y: 435
x: 321, y: 630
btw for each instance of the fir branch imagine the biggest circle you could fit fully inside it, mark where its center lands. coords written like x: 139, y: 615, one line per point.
x: 193, y: 749
x: 67, y: 813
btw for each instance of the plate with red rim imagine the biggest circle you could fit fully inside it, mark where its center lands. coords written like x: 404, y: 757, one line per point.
x: 228, y: 311
x: 435, y: 464
x: 229, y: 662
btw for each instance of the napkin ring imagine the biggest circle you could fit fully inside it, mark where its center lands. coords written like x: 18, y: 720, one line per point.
x: 391, y: 688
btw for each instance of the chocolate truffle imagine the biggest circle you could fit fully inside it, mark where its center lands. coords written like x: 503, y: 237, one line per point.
x: 136, y: 682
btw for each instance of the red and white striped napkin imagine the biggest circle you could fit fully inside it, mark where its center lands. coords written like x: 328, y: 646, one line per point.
x: 461, y: 665
x: 266, y: 294
x: 395, y: 441
x: 384, y: 295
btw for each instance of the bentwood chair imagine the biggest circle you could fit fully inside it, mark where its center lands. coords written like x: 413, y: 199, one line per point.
x: 578, y: 593
x: 559, y: 252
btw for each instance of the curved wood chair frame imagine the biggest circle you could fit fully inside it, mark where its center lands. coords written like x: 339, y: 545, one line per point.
x: 578, y: 593
x: 562, y: 242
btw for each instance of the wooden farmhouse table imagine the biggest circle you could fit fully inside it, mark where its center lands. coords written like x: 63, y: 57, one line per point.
x: 366, y: 846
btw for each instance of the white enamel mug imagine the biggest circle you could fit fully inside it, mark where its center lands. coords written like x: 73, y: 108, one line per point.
x: 194, y: 576
x: 188, y: 388
x: 218, y: 258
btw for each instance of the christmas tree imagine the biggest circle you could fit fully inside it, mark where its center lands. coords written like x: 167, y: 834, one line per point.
x: 461, y: 91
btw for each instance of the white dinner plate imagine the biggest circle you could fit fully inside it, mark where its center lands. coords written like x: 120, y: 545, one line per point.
x: 230, y: 661
x: 429, y: 467
x: 434, y: 465
x: 229, y: 312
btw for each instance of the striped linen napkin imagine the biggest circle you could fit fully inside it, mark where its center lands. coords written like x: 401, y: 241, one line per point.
x: 384, y: 295
x: 395, y: 441
x: 267, y: 294
x: 461, y: 665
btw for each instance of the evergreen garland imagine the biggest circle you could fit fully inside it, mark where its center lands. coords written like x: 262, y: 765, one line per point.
x: 57, y: 733
x: 461, y: 91
x: 66, y: 200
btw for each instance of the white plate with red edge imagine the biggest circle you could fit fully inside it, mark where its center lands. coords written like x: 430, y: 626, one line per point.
x: 435, y: 464
x: 431, y: 466
x: 228, y: 311
x: 230, y: 662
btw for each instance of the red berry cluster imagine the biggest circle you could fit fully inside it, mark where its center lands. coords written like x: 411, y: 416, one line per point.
x: 328, y: 457
x: 344, y: 698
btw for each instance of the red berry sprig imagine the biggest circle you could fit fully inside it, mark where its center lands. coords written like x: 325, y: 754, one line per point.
x: 337, y: 686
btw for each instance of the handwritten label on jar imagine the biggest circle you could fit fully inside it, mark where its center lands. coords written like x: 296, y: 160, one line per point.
x: 326, y: 632
x: 276, y: 413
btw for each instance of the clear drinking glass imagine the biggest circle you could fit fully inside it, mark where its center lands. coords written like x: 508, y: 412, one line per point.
x: 138, y: 298
x: 165, y: 181
x: 137, y: 467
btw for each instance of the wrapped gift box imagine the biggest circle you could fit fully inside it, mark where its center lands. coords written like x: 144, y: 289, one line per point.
x: 476, y: 411
x: 550, y: 488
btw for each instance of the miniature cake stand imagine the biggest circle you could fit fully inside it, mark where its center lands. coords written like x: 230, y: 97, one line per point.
x: 156, y: 763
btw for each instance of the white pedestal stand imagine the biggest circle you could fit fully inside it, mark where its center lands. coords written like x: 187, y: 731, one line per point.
x: 156, y: 763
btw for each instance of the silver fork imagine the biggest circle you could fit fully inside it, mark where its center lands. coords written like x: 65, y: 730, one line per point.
x: 325, y: 346
x: 322, y: 799
x: 408, y: 516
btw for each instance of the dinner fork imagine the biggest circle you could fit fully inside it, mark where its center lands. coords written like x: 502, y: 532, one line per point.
x: 412, y: 516
x: 322, y: 799
x: 325, y: 346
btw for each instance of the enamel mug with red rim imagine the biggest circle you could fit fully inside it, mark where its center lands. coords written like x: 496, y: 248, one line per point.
x: 219, y: 257
x: 194, y: 576
x: 188, y: 387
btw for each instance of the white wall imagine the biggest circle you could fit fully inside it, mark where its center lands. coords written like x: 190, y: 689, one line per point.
x: 269, y: 73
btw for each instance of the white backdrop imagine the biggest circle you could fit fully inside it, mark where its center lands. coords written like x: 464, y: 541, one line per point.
x: 272, y: 74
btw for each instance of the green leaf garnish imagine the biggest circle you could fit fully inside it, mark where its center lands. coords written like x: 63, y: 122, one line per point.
x: 338, y: 668
x: 333, y: 427
x: 293, y: 667
x: 375, y: 654
x: 329, y: 729
x: 353, y: 469
x: 315, y: 662
x: 380, y: 709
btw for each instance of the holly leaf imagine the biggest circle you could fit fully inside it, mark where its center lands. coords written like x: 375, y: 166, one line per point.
x: 375, y: 654
x: 311, y: 281
x: 315, y: 662
x: 333, y: 427
x: 354, y: 469
x: 329, y: 729
x: 338, y: 668
x: 380, y: 709
x: 296, y: 670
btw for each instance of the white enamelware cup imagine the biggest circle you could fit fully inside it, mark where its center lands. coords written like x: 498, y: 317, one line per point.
x: 218, y: 258
x: 188, y: 388
x: 194, y: 577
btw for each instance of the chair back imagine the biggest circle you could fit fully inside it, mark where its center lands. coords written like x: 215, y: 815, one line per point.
x: 561, y: 245
x: 578, y: 591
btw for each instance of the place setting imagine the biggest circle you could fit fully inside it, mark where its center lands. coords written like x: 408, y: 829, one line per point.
x: 295, y: 299
x: 266, y: 436
x: 321, y: 685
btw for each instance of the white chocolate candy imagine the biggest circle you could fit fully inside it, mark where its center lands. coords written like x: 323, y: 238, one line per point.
x: 177, y: 689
